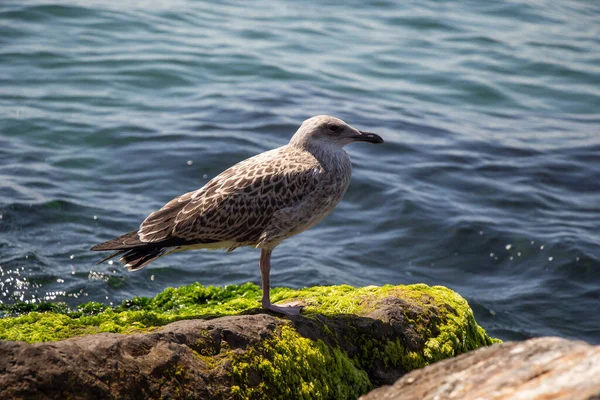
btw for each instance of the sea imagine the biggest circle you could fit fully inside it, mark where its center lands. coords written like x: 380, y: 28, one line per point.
x: 488, y: 181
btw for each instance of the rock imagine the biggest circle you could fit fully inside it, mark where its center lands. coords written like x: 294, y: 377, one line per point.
x: 347, y: 341
x: 542, y: 368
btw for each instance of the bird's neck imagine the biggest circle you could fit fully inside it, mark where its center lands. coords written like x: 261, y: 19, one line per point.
x: 330, y: 155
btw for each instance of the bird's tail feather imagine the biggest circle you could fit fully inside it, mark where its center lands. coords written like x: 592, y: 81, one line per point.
x: 123, y: 242
x: 116, y: 253
x: 138, y: 258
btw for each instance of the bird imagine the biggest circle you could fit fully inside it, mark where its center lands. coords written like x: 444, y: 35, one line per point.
x: 258, y: 202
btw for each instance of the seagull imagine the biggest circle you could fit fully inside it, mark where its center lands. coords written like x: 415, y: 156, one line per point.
x: 258, y: 202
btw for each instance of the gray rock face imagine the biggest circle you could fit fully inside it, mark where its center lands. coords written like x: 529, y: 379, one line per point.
x: 543, y: 368
x: 167, y: 363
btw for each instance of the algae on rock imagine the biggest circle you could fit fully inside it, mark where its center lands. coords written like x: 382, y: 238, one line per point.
x: 346, y: 341
x: 291, y: 366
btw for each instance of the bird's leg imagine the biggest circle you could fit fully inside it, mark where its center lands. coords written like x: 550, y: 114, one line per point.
x: 265, y: 271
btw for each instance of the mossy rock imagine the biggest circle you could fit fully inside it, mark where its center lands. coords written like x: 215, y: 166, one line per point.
x: 347, y: 341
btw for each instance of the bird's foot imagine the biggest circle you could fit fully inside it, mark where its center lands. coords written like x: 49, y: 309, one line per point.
x: 285, y: 309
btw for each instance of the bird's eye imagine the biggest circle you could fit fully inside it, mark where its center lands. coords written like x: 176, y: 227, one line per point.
x: 334, y: 128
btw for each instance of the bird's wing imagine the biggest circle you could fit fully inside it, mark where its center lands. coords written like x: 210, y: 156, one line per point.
x: 237, y: 205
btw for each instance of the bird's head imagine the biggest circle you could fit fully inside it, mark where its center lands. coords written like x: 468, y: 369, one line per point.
x: 324, y: 130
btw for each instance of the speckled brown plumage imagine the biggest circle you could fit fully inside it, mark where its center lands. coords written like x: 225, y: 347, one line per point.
x: 258, y: 202
x: 243, y: 205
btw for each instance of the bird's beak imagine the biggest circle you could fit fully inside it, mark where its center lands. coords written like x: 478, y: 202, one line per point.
x: 367, y: 137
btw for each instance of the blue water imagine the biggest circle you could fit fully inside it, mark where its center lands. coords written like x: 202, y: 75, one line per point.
x: 488, y: 183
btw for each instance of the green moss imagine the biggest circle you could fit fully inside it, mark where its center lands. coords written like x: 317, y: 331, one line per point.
x: 137, y: 314
x: 293, y: 367
x: 444, y: 322
x: 454, y: 333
